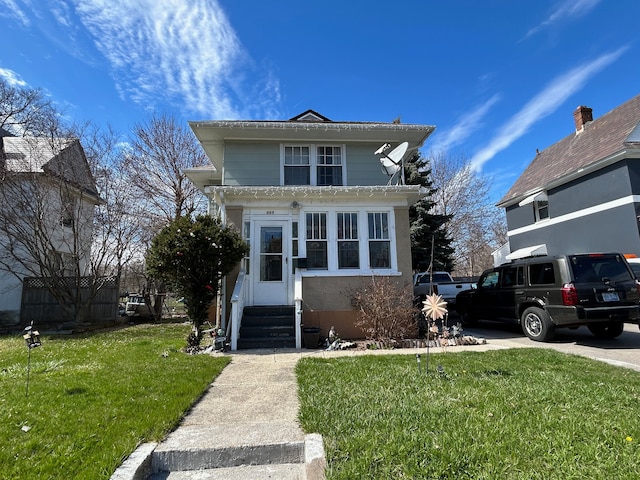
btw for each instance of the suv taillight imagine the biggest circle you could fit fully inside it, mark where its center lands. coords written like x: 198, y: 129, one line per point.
x: 569, y: 295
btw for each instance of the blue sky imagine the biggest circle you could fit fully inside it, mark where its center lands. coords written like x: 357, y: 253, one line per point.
x: 498, y: 78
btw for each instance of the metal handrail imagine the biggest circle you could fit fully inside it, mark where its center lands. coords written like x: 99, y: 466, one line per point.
x: 237, y: 306
x: 297, y: 297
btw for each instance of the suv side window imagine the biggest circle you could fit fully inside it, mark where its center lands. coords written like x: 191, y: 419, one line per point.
x: 490, y: 280
x: 541, y: 274
x: 512, y: 276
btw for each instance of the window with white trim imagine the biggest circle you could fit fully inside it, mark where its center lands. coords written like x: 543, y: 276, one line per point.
x: 329, y: 160
x: 379, y: 241
x: 348, y: 242
x: 320, y: 165
x: 317, y: 258
x: 297, y: 170
x: 541, y: 208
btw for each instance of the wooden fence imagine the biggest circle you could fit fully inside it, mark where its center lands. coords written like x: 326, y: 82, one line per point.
x: 43, y: 309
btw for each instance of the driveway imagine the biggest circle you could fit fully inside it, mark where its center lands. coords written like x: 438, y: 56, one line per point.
x: 622, y: 351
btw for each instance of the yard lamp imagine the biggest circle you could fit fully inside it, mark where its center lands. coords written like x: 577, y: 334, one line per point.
x: 32, y: 339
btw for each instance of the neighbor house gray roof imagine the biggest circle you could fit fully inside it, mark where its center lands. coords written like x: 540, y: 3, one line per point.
x: 61, y: 157
x: 602, y: 141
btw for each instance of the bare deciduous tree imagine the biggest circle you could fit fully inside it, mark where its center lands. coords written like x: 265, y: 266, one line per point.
x: 25, y: 112
x: 475, y: 225
x: 161, y: 150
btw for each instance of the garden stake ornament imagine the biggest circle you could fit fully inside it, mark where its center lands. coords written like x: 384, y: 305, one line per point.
x: 434, y: 309
x: 32, y: 339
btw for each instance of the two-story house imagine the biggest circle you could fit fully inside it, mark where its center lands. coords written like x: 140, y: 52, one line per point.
x: 47, y: 201
x: 581, y: 194
x: 317, y: 209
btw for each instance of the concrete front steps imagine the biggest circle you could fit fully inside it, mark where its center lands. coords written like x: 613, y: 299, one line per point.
x: 271, y: 326
x: 287, y: 460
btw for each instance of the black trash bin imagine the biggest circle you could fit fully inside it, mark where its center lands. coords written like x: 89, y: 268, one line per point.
x: 311, y: 336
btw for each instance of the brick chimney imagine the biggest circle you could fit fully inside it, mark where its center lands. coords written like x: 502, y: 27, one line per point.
x: 581, y: 116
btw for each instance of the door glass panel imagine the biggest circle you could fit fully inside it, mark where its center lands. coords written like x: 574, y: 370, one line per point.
x: 271, y: 254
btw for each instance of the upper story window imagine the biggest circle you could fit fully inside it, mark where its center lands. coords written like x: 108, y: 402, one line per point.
x: 68, y: 209
x: 320, y: 165
x: 541, y: 208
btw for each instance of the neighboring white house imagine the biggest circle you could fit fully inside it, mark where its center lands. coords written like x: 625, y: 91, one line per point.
x: 47, y: 200
x: 319, y: 213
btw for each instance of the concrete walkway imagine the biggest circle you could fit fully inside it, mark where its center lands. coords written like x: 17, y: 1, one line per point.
x: 245, y: 426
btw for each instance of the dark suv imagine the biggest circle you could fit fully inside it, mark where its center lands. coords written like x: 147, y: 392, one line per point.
x: 543, y: 293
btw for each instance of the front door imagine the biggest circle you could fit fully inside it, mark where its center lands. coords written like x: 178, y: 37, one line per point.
x: 271, y: 264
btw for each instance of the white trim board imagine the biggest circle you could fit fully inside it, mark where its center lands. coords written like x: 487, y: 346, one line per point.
x: 629, y: 200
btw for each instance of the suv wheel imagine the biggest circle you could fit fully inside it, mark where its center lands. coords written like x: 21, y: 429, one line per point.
x: 536, y: 324
x: 466, y: 318
x: 607, y: 330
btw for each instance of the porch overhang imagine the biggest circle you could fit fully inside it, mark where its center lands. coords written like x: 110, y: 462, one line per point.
x: 299, y: 196
x: 213, y: 134
x: 532, y: 251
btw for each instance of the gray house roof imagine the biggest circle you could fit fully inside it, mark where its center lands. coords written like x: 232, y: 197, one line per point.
x: 61, y: 157
x: 610, y: 138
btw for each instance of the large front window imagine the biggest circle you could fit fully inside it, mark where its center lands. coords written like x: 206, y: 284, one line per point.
x: 317, y: 241
x: 351, y: 241
x: 321, y: 165
x: 379, y: 242
x: 348, y: 244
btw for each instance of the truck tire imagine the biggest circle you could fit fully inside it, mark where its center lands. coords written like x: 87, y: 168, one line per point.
x: 607, y: 330
x: 466, y: 318
x: 536, y: 324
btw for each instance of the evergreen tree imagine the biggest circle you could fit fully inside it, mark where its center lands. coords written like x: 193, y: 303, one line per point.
x: 192, y: 256
x: 427, y: 228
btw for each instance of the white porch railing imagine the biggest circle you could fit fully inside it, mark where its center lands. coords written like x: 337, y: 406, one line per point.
x: 237, y: 306
x: 297, y: 296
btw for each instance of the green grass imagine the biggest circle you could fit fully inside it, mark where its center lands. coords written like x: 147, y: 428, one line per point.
x: 93, y: 400
x: 511, y: 414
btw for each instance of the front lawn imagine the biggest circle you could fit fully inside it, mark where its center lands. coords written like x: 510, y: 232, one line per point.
x: 92, y: 400
x: 510, y: 414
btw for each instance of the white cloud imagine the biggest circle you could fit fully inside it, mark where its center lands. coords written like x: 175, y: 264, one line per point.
x: 11, y: 9
x: 567, y: 10
x: 468, y: 124
x: 543, y: 104
x: 185, y: 52
x: 12, y: 78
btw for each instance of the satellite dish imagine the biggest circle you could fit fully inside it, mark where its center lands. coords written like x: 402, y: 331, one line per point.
x: 392, y: 161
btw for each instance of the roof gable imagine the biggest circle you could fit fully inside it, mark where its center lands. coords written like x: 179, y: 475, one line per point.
x: 309, y: 116
x: 611, y: 134
x: 62, y: 157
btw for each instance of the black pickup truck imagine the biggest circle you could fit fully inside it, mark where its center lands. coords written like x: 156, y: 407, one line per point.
x: 543, y: 293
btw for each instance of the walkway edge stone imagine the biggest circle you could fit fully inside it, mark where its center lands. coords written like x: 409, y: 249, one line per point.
x: 314, y: 456
x: 138, y: 465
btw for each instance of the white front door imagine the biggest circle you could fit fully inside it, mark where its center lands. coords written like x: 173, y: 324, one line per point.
x: 270, y: 263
